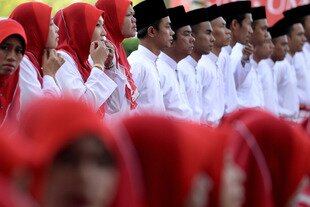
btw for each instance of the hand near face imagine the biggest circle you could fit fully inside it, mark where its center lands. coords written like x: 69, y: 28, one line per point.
x: 247, y: 51
x: 51, y: 62
x: 99, y: 52
x: 109, y: 61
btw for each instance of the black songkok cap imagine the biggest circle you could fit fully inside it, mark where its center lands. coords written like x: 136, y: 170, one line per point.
x: 297, y: 12
x: 233, y: 9
x: 213, y: 12
x: 197, y: 16
x: 258, y: 13
x: 149, y: 11
x: 178, y: 17
x: 279, y: 28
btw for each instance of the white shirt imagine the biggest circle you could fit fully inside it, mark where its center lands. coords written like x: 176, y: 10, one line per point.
x: 30, y: 85
x: 175, y: 98
x: 250, y: 91
x: 95, y: 91
x: 266, y: 76
x: 287, y: 89
x: 223, y: 62
x: 240, y: 71
x: 303, y: 77
x: 146, y: 77
x: 188, y: 75
x: 213, y: 102
x: 306, y: 52
x: 117, y: 104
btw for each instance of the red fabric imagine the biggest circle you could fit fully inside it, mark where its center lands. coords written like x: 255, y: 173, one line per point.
x: 74, y: 42
x: 171, y: 154
x: 9, y: 88
x: 35, y: 18
x: 285, y: 150
x: 10, y: 196
x: 50, y: 125
x: 115, y: 11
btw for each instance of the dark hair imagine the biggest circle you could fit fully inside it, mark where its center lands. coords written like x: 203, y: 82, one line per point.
x: 195, y: 28
x: 238, y: 17
x: 143, y: 32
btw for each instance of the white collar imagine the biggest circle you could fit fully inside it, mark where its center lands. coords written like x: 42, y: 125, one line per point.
x: 149, y: 54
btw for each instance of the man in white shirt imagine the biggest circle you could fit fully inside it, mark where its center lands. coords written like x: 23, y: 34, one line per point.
x: 175, y: 99
x: 284, y: 74
x: 155, y: 34
x: 212, y: 81
x: 201, y: 31
x: 296, y: 39
x: 265, y: 72
x: 250, y: 92
x: 238, y: 19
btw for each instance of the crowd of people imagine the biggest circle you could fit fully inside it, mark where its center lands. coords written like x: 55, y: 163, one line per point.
x: 212, y: 109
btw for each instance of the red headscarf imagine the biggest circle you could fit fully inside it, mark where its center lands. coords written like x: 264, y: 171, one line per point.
x: 35, y: 18
x: 10, y: 160
x: 9, y: 87
x: 171, y: 154
x: 76, y: 24
x: 50, y: 125
x: 277, y: 158
x: 115, y: 12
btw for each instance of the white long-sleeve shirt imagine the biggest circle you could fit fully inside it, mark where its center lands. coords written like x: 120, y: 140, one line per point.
x: 146, y: 77
x: 303, y: 77
x: 175, y: 99
x: 188, y: 75
x: 31, y: 87
x: 95, y: 91
x: 306, y: 52
x: 213, y: 102
x: 117, y: 104
x: 287, y: 89
x: 240, y: 71
x: 266, y: 76
x: 250, y: 92
x: 223, y: 62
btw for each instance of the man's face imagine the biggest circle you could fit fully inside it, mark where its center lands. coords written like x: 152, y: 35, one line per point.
x: 221, y: 33
x: 204, y: 38
x: 164, y: 34
x: 184, y: 42
x: 280, y: 48
x: 259, y: 32
x: 296, y: 38
x: 307, y: 27
x: 244, y: 31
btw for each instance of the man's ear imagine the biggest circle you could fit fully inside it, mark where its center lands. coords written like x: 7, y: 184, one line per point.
x: 151, y: 31
x: 234, y: 25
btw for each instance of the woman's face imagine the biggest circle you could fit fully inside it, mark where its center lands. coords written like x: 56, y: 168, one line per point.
x: 11, y: 54
x: 52, y: 39
x: 99, y: 32
x: 129, y: 28
x: 233, y: 177
x: 83, y: 174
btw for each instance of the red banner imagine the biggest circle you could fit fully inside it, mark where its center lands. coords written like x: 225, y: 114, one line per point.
x: 274, y: 7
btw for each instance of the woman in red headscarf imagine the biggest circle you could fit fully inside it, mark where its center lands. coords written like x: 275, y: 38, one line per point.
x: 274, y: 155
x: 12, y: 49
x: 41, y: 62
x: 120, y: 24
x: 81, y: 34
x: 75, y: 160
x: 181, y: 163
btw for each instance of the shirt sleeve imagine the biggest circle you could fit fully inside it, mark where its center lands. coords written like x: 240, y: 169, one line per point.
x: 94, y: 91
